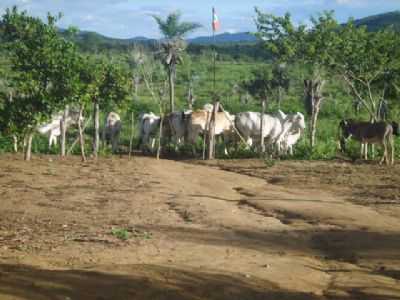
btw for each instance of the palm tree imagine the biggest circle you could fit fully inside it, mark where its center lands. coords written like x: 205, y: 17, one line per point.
x: 173, y: 45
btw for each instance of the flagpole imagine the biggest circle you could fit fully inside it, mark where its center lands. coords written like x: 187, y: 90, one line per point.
x: 214, y: 54
x: 211, y: 129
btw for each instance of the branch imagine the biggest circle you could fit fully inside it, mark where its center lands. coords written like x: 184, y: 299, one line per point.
x: 358, y: 95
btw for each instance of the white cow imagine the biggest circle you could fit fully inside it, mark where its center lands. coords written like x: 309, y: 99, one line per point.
x: 53, y: 127
x: 279, y: 130
x: 249, y: 125
x: 112, y: 130
x: 293, y: 127
x: 148, y: 126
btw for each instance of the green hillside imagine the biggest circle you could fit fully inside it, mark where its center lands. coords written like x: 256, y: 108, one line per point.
x: 377, y: 22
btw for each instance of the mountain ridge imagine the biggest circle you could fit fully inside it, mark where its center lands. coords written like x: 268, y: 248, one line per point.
x: 373, y: 23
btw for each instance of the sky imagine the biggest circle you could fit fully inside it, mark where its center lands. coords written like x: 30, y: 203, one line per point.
x: 131, y: 18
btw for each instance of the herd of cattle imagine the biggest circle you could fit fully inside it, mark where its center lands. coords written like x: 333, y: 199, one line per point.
x: 280, y: 131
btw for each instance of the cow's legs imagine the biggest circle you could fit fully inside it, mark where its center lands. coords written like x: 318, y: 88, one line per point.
x: 52, y: 140
x: 392, y: 148
x: 384, y: 156
x: 15, y: 139
x: 114, y: 143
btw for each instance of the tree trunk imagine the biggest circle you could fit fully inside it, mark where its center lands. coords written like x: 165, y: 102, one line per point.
x: 96, y: 125
x: 81, y: 137
x: 279, y: 97
x: 190, y: 98
x: 160, y: 137
x: 15, y: 140
x: 314, y: 119
x: 136, y: 81
x: 263, y: 105
x: 313, y: 99
x: 211, y: 132
x: 171, y: 77
x: 28, y: 149
x: 63, y: 128
x: 132, y: 133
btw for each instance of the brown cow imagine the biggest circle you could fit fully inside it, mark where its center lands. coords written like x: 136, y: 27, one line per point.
x: 199, y: 122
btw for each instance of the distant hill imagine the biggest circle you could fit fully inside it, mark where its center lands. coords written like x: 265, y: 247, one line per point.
x: 92, y: 40
x: 241, y: 37
x: 96, y: 39
x: 380, y: 21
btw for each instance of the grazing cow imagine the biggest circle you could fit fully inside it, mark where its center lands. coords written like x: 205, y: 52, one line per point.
x: 370, y: 133
x: 112, y: 130
x: 148, y: 125
x: 53, y: 128
x: 199, y: 122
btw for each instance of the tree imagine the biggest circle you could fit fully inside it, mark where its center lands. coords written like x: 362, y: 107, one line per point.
x: 312, y: 47
x: 368, y: 63
x: 42, y: 65
x: 281, y: 80
x: 106, y: 84
x: 172, y: 47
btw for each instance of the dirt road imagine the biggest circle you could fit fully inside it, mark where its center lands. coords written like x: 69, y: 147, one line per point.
x: 147, y: 229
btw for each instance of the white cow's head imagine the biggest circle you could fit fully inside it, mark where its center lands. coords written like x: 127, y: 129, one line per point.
x: 298, y: 121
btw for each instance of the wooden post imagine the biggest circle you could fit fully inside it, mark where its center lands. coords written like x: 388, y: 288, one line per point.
x: 262, y: 134
x: 28, y: 150
x: 96, y: 137
x: 160, y: 137
x: 211, y: 132
x: 63, y: 128
x: 81, y: 137
x: 131, y: 137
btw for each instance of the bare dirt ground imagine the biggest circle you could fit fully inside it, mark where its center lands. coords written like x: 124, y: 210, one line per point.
x: 225, y: 230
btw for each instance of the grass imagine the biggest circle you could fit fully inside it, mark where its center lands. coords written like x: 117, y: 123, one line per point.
x: 121, y: 233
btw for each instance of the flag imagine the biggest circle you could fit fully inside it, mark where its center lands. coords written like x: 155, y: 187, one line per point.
x: 215, y: 21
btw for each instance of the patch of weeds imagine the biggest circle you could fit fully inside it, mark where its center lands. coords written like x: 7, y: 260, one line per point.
x: 269, y: 162
x: 186, y: 216
x: 146, y: 235
x: 121, y: 233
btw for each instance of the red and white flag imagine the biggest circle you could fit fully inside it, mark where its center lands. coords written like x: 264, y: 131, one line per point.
x: 215, y: 21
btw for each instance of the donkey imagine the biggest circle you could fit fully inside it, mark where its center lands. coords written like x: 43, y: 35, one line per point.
x: 380, y: 133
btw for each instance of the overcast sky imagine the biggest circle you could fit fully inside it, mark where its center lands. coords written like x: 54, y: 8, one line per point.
x: 130, y: 18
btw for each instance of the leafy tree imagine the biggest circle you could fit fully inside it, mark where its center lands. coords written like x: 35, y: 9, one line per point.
x: 281, y: 80
x: 42, y: 65
x: 173, y: 31
x: 105, y: 84
x: 312, y: 47
x: 368, y: 63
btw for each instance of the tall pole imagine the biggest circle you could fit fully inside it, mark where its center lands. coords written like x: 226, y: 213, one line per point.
x: 211, y: 129
x: 214, y: 61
